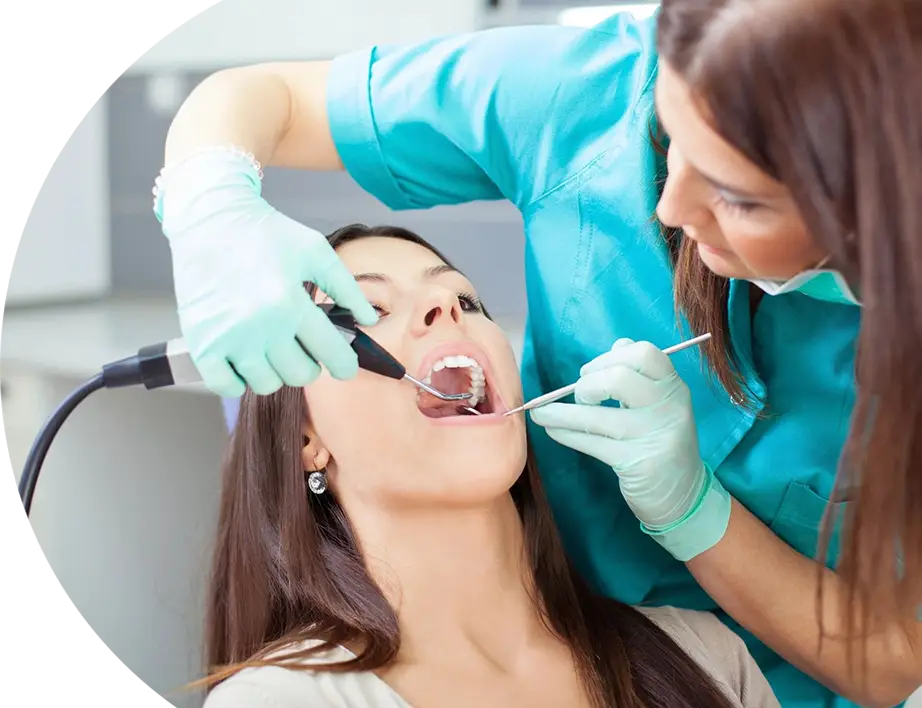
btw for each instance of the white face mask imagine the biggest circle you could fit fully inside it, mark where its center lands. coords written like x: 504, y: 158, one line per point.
x: 818, y: 283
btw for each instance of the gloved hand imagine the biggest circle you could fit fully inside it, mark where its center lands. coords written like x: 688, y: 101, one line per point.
x: 239, y: 267
x: 650, y: 442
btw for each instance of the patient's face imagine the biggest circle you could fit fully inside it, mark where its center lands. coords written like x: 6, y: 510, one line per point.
x: 389, y: 443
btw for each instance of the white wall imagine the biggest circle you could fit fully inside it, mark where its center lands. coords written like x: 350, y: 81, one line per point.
x: 64, y: 251
x: 241, y: 31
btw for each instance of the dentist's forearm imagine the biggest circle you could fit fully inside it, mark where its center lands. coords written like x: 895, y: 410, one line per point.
x: 771, y: 590
x: 275, y: 111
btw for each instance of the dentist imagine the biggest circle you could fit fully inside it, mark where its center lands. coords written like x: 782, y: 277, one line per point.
x: 789, y: 227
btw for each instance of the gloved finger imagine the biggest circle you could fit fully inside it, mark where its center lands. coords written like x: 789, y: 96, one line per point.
x: 325, y: 343
x: 259, y: 375
x: 333, y: 277
x: 220, y: 378
x: 618, y: 383
x: 603, y: 449
x: 610, y: 423
x: 293, y: 365
x: 643, y: 357
x: 590, y: 366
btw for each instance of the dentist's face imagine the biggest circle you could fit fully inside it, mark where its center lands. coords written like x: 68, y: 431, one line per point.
x: 744, y: 223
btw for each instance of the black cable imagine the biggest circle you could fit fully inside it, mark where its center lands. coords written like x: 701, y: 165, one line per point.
x: 155, y: 366
x: 45, y: 437
x: 169, y: 364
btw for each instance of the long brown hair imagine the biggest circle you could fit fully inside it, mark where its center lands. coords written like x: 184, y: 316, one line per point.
x: 826, y: 97
x: 287, y: 569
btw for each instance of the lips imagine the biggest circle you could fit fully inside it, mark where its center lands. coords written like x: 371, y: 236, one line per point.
x: 702, y: 244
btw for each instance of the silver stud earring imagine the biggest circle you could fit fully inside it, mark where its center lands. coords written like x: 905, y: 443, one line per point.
x: 317, y: 482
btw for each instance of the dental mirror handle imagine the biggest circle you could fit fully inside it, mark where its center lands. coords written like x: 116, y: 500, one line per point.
x: 375, y: 358
x: 372, y: 356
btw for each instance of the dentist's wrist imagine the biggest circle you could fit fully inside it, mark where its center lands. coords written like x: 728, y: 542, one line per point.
x: 702, y: 527
x: 236, y: 173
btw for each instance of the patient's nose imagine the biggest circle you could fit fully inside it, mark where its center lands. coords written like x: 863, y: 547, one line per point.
x: 437, y: 308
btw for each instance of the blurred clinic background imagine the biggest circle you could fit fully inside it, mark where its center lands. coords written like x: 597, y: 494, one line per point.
x: 126, y: 504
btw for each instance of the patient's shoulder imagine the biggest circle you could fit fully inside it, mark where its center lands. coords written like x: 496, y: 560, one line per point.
x: 695, y: 630
x: 274, y: 686
x: 303, y: 687
x: 719, y: 651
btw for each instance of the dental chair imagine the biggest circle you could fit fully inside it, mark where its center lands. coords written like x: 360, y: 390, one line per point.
x: 231, y: 408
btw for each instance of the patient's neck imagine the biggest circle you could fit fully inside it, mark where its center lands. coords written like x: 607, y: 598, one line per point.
x: 459, y: 579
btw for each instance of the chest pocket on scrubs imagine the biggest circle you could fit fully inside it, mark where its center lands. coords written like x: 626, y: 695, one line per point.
x: 800, y: 519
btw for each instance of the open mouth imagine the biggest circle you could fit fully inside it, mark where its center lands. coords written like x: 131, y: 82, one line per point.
x: 458, y: 374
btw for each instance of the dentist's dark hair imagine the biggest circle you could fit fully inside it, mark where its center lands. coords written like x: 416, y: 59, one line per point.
x: 287, y: 569
x: 826, y: 97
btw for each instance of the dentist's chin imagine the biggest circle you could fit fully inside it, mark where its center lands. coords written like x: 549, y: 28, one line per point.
x: 720, y: 261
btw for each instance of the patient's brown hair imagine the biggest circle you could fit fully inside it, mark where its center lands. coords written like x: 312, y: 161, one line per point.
x: 287, y: 569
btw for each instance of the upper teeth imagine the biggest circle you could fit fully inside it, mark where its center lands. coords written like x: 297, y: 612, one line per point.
x: 478, y: 381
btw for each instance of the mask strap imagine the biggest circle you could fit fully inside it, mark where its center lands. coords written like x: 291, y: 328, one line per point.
x: 823, y: 262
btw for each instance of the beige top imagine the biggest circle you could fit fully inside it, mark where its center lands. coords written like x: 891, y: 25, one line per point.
x: 704, y: 638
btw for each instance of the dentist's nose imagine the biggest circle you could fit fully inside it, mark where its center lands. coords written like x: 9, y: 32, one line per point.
x: 682, y: 202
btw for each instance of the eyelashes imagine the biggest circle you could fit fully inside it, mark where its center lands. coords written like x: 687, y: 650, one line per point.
x: 739, y: 208
x: 472, y: 302
x: 469, y: 303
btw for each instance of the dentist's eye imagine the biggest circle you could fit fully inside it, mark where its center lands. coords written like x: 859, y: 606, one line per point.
x: 736, y: 207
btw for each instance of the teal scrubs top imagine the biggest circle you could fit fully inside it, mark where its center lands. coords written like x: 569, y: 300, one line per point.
x: 557, y: 120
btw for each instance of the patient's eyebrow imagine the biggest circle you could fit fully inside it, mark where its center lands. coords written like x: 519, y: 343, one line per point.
x: 371, y: 278
x: 432, y: 272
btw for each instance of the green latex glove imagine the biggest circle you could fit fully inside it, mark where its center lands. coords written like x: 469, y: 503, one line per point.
x: 239, y: 268
x: 650, y: 441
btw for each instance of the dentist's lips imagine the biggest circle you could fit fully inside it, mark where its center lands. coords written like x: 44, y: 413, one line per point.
x: 703, y: 245
x: 708, y: 247
x: 441, y: 412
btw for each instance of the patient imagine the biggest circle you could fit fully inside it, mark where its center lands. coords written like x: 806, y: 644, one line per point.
x: 378, y: 548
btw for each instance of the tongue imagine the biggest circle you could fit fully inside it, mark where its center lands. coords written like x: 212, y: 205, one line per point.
x: 447, y: 381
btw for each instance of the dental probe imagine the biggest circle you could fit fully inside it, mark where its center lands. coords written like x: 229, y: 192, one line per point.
x: 566, y: 390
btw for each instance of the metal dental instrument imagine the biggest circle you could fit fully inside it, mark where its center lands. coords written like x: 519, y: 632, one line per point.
x: 567, y: 390
x: 373, y: 357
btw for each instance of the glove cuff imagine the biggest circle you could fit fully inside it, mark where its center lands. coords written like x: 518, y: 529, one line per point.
x: 203, y: 170
x: 702, y: 527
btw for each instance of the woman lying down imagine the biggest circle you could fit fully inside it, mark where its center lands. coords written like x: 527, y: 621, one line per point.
x: 378, y: 549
